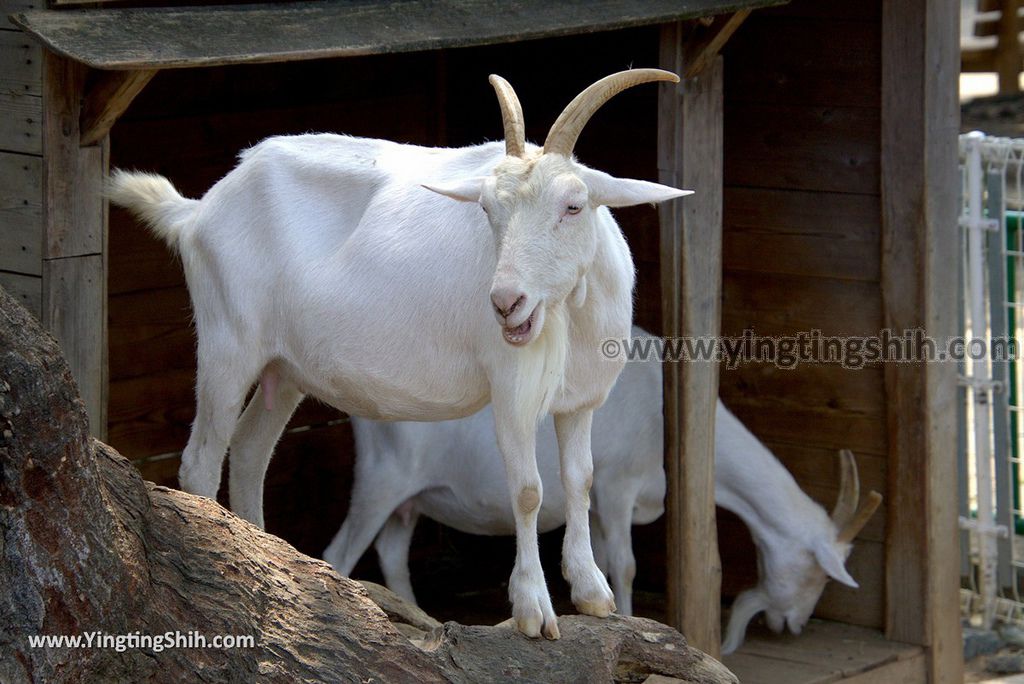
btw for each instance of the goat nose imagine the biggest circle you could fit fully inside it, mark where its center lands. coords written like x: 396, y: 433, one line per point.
x: 506, y: 300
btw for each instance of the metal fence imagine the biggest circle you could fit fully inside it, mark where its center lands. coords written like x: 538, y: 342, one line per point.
x: 991, y: 272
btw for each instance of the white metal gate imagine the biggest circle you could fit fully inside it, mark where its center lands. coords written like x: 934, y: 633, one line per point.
x: 990, y: 418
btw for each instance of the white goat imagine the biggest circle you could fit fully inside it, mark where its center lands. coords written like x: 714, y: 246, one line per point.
x: 342, y: 268
x: 451, y: 472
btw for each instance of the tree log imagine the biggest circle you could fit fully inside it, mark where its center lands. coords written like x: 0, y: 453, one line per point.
x: 86, y: 546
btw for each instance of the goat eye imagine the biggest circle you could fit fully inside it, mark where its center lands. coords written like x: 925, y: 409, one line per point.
x: 572, y: 209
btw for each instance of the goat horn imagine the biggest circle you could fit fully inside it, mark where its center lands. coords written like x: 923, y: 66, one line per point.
x: 849, y: 489
x: 857, y: 522
x: 511, y: 116
x: 566, y: 129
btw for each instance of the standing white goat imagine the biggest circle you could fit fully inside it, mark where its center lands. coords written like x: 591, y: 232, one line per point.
x: 451, y: 472
x: 342, y: 268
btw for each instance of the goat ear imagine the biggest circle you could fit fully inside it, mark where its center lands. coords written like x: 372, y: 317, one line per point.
x: 467, y: 190
x: 748, y: 604
x: 832, y: 563
x: 610, y: 191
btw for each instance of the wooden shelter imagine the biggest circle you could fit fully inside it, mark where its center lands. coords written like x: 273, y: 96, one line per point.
x: 821, y: 137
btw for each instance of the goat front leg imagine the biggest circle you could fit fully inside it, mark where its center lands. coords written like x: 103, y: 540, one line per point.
x: 531, y: 604
x: 590, y: 592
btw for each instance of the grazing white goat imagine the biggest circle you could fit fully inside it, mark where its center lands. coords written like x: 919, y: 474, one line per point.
x: 451, y: 472
x: 368, y: 274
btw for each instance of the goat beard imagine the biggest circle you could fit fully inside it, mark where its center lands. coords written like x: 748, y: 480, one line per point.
x: 540, y: 367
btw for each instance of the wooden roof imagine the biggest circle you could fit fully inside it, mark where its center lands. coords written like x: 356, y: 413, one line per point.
x: 159, y: 38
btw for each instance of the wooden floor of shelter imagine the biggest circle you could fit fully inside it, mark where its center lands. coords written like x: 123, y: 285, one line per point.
x: 825, y: 652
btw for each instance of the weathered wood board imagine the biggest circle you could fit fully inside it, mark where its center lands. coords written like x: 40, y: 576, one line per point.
x: 21, y: 123
x: 21, y: 58
x: 202, y: 36
x: 75, y: 310
x: 825, y: 652
x: 28, y: 290
x: 9, y: 7
x: 21, y: 220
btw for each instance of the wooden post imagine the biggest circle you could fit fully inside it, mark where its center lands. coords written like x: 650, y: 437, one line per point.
x: 920, y: 65
x: 1008, y: 53
x: 74, y: 306
x: 690, y: 156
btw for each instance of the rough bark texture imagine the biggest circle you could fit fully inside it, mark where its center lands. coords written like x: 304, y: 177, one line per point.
x: 86, y: 545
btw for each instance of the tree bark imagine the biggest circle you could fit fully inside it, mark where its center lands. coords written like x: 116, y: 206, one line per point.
x: 87, y: 546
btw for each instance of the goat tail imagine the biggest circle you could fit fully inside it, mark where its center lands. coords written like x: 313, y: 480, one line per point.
x: 154, y: 200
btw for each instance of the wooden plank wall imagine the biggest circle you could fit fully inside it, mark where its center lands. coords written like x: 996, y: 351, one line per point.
x: 21, y: 170
x: 802, y: 252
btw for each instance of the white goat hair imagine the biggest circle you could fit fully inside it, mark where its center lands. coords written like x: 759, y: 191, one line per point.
x: 451, y: 472
x: 368, y: 274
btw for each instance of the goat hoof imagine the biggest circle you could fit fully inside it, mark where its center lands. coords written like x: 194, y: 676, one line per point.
x: 530, y: 625
x: 600, y: 608
x: 535, y: 629
x: 535, y: 617
x: 591, y: 594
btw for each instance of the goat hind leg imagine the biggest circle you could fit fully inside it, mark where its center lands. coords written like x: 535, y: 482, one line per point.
x: 253, y: 443
x: 598, y: 543
x: 614, y: 528
x: 376, y: 493
x: 220, y: 392
x: 392, y: 546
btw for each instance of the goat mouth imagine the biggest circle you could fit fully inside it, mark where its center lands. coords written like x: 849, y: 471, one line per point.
x: 521, y: 334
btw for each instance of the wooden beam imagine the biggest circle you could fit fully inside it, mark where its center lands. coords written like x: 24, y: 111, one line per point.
x: 74, y: 283
x: 690, y: 156
x: 920, y: 120
x: 107, y: 98
x: 707, y: 40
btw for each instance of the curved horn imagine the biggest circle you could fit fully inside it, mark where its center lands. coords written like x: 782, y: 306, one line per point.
x: 566, y: 129
x: 849, y: 489
x: 856, y: 523
x: 511, y: 116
